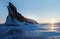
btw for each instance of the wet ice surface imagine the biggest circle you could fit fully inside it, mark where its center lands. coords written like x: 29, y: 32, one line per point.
x: 30, y: 32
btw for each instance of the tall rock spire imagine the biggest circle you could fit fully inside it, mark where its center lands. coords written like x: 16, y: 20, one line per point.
x: 13, y: 12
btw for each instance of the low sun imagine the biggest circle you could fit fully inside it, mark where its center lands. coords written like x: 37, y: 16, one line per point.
x: 53, y: 21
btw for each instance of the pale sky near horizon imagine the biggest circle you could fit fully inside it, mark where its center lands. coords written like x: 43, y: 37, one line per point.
x: 43, y: 11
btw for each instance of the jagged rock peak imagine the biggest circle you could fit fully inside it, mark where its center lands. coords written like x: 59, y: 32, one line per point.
x: 13, y: 14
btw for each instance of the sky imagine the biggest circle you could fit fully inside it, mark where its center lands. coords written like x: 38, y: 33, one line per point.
x: 43, y: 11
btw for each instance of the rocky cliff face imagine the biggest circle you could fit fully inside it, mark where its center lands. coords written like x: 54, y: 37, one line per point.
x: 14, y: 17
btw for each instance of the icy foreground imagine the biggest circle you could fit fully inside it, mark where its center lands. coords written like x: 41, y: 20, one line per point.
x: 19, y: 27
x: 32, y: 31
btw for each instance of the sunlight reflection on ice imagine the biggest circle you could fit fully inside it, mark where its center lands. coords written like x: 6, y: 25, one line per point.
x: 50, y: 28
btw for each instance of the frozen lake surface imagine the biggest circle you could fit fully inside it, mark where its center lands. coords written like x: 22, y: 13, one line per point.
x: 37, y: 31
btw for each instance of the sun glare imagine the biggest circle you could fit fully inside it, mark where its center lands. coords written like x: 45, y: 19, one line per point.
x: 51, y: 26
x: 52, y: 21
